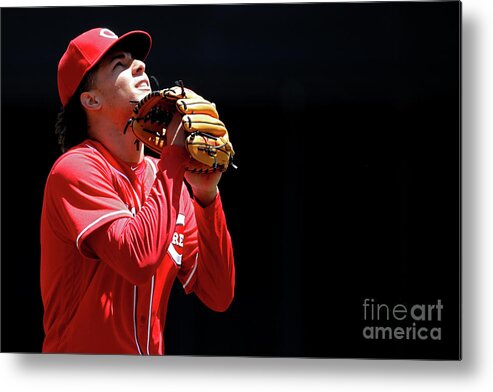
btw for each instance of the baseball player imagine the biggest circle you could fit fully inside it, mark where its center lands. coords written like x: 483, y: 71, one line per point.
x: 117, y: 226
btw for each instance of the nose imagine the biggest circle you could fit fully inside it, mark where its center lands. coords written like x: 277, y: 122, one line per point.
x: 138, y: 67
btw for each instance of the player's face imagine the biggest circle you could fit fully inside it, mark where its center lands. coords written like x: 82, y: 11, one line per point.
x: 121, y: 79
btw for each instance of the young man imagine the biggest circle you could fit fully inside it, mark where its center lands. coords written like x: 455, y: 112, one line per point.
x: 118, y: 227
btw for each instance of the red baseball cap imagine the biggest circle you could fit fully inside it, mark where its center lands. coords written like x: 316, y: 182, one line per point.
x: 84, y: 52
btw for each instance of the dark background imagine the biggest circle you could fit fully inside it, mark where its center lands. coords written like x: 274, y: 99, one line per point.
x: 346, y: 123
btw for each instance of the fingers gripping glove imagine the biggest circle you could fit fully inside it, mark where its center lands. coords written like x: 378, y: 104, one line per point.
x: 207, y: 141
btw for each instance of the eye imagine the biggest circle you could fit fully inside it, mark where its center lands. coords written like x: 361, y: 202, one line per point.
x: 118, y: 64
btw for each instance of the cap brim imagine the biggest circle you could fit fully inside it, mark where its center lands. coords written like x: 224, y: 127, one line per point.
x: 136, y: 42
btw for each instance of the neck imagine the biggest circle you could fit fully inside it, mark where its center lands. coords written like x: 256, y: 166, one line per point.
x: 120, y: 145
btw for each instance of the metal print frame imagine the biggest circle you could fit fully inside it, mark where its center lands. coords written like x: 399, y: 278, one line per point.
x: 345, y: 208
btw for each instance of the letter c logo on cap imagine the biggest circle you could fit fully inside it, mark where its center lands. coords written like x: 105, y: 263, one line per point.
x: 108, y: 34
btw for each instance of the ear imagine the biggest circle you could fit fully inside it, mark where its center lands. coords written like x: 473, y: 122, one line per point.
x: 90, y: 100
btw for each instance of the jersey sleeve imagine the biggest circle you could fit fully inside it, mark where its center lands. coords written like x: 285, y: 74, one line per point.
x: 80, y: 197
x: 135, y: 247
x: 209, y: 270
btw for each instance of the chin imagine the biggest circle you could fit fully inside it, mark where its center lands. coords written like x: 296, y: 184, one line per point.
x: 141, y: 94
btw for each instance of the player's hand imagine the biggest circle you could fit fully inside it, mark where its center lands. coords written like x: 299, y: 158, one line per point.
x: 204, y: 186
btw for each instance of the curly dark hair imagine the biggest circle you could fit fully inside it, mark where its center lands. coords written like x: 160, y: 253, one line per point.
x: 71, y: 122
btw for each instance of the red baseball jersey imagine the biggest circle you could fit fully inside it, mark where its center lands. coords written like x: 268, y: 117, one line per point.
x: 113, y: 240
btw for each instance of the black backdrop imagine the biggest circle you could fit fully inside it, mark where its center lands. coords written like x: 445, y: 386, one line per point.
x: 346, y: 123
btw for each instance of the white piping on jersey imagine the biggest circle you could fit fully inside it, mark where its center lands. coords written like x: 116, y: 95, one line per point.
x: 193, y: 270
x: 124, y: 212
x: 153, y: 165
x: 174, y: 254
x: 91, y: 147
x: 180, y: 220
x: 135, y: 321
x: 150, y: 314
x: 131, y: 187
